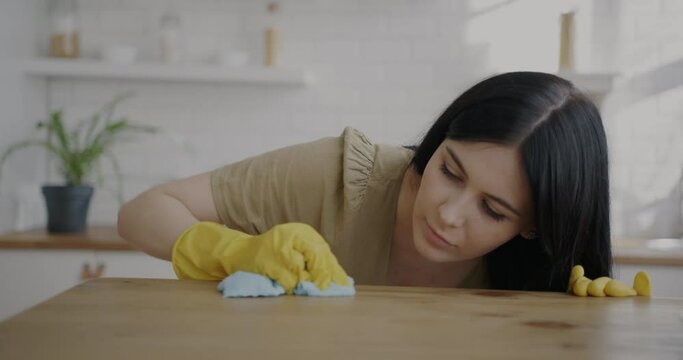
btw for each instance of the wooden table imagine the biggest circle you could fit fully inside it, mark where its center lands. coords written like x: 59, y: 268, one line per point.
x: 172, y: 319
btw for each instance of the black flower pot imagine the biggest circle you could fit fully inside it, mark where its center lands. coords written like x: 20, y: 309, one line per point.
x: 67, y: 207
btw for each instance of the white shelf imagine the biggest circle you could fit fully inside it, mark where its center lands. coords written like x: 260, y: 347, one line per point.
x: 594, y: 83
x: 64, y: 68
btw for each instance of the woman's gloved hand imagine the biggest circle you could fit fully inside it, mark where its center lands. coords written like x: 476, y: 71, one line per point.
x: 287, y: 253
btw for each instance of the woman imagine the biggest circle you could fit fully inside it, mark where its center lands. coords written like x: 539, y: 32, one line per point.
x: 508, y: 189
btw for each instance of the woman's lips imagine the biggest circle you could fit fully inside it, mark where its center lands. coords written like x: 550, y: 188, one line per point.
x: 436, y: 239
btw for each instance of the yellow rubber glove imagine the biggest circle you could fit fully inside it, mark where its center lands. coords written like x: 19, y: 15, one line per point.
x: 287, y: 253
x: 580, y: 285
x: 642, y: 284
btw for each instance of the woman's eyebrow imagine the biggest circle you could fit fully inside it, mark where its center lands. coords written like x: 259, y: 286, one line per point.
x: 500, y: 201
x: 451, y: 152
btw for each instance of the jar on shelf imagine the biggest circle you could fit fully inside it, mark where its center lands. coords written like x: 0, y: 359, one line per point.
x: 171, y: 37
x: 64, y: 39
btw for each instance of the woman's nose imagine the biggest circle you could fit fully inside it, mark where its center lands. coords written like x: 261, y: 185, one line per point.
x: 454, y: 211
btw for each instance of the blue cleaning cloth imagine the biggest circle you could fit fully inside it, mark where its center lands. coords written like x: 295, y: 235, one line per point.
x: 246, y: 284
x: 307, y: 288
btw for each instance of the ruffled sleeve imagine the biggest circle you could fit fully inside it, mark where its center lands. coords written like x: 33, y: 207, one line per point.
x: 372, y: 176
x: 358, y: 162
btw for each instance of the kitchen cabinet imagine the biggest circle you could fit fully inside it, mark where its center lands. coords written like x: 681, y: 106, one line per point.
x: 667, y: 281
x: 35, y: 266
x: 28, y: 277
x: 663, y: 264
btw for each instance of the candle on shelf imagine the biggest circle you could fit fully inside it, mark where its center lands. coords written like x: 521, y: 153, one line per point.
x: 272, y: 38
x: 567, y: 42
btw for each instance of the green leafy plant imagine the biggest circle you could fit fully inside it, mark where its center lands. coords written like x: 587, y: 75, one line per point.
x: 80, y: 150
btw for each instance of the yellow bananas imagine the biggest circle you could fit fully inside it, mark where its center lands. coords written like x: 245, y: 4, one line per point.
x: 580, y: 285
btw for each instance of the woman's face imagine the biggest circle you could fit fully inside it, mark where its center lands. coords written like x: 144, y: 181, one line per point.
x: 473, y: 197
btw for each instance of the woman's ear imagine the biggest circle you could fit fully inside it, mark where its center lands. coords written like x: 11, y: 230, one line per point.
x: 529, y: 235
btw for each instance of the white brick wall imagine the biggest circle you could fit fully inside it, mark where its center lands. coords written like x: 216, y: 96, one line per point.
x: 19, y: 28
x: 387, y: 67
x: 645, y: 115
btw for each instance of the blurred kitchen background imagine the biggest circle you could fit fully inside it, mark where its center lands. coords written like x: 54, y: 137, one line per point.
x: 385, y: 67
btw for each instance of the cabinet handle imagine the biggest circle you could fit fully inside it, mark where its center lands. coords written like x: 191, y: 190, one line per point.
x: 87, y: 274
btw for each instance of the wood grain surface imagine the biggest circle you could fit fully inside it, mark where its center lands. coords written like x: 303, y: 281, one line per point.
x: 173, y: 319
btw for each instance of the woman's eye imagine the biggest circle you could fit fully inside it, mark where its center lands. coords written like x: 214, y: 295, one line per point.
x: 449, y: 174
x: 489, y: 211
x: 494, y: 215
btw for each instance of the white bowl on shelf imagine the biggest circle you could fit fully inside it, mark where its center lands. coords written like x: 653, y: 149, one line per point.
x: 119, y: 54
x: 233, y: 58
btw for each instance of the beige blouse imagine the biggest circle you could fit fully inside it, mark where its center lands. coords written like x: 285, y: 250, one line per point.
x: 346, y: 187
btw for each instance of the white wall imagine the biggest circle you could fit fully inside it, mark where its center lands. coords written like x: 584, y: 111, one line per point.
x: 644, y: 114
x: 22, y: 101
x: 388, y: 68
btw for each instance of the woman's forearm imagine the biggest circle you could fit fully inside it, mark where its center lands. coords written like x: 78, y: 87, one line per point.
x: 153, y: 221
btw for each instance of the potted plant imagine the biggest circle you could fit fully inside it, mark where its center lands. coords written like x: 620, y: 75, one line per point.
x: 79, y: 152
